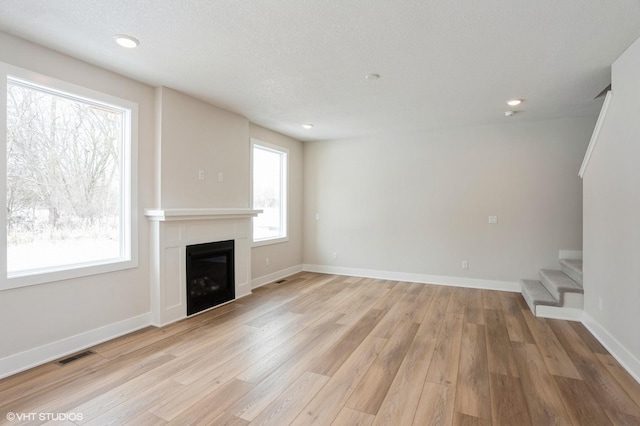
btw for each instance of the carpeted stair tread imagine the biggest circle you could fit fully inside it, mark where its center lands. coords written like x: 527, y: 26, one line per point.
x: 535, y: 294
x: 573, y: 268
x: 558, y: 283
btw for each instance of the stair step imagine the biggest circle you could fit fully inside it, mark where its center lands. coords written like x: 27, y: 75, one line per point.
x: 535, y: 293
x: 558, y: 283
x: 573, y: 268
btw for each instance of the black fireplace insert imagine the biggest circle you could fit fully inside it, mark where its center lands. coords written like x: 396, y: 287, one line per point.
x: 210, y: 278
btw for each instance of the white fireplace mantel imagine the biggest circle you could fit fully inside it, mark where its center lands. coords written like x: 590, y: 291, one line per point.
x: 172, y: 230
x: 197, y: 214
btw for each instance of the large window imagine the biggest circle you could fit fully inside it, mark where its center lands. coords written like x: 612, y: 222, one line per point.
x: 269, y: 193
x: 68, y: 181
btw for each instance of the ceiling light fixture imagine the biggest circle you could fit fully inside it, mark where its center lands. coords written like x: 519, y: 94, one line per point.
x: 126, y: 41
x: 307, y: 126
x: 514, y: 102
x: 372, y: 76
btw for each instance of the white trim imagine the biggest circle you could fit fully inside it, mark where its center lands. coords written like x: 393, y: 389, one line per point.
x: 30, y: 358
x: 628, y: 361
x: 275, y: 276
x: 596, y: 133
x: 166, y: 215
x: 570, y: 254
x: 416, y: 278
x: 559, y: 312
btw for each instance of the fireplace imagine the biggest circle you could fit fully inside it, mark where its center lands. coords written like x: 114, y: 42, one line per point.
x: 210, y: 275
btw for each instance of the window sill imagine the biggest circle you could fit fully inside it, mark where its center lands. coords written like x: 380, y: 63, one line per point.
x: 28, y: 278
x: 270, y: 241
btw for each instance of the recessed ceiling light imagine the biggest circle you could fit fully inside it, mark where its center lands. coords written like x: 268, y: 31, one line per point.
x: 509, y: 113
x: 126, y: 41
x: 372, y: 76
x: 307, y: 126
x: 514, y: 102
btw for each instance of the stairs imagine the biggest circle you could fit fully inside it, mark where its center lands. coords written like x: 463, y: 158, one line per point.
x: 558, y: 293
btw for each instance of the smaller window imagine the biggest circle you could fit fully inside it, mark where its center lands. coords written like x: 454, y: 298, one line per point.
x: 269, y: 193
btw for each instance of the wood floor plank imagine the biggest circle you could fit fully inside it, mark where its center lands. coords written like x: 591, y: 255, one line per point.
x: 132, y: 407
x: 555, y: 357
x: 457, y: 302
x: 621, y: 375
x: 581, y: 405
x: 446, y: 355
x: 621, y: 419
x: 258, y: 371
x: 213, y: 403
x: 400, y: 403
x: 265, y: 392
x: 336, y: 356
x: 516, y: 325
x: 435, y: 406
x: 491, y: 300
x: 472, y: 388
x: 351, y: 417
x: 460, y: 419
x: 474, y: 310
x: 606, y: 390
x: 370, y: 392
x: 435, y: 314
x: 587, y: 338
x: 508, y: 403
x: 539, y: 387
x: 328, y: 403
x: 289, y: 403
x: 499, y: 350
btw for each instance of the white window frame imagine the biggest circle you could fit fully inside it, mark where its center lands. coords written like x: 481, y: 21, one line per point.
x: 129, y: 228
x: 284, y: 201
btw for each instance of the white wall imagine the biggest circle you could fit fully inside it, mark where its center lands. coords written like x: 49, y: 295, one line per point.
x: 419, y: 202
x: 194, y: 135
x: 612, y: 219
x: 286, y: 257
x: 31, y: 317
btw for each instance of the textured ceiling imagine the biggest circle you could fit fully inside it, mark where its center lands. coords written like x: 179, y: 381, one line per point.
x: 282, y: 63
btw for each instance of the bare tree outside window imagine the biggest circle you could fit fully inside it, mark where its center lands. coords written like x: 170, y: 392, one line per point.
x: 64, y: 179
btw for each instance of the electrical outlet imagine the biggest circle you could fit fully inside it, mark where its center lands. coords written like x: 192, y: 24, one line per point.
x: 335, y: 255
x: 220, y: 177
x: 493, y: 220
x: 267, y: 262
x: 200, y: 174
x: 465, y: 264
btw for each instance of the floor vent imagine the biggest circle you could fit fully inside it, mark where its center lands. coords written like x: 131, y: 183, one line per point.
x: 75, y: 357
x: 280, y: 281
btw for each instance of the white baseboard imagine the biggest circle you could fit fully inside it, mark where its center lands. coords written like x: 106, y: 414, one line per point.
x: 416, y: 278
x: 570, y: 254
x: 628, y: 361
x: 33, y: 357
x: 275, y: 276
x: 559, y: 312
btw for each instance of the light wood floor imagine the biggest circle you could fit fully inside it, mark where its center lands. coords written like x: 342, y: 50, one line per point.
x: 342, y: 350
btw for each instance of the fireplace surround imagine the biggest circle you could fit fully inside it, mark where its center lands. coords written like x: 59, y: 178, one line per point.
x: 171, y: 231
